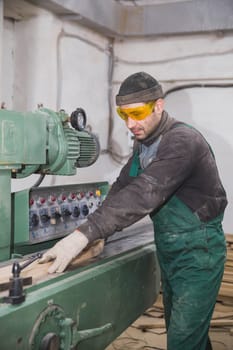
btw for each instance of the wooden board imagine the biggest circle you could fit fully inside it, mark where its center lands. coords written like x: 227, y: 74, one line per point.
x: 39, y: 272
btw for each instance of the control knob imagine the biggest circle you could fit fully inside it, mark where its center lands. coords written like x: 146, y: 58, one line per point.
x: 44, y: 218
x: 56, y: 215
x: 76, y: 212
x: 34, y: 220
x: 66, y: 212
x: 85, y: 210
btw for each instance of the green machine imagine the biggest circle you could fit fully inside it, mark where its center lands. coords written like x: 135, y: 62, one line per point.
x: 85, y: 308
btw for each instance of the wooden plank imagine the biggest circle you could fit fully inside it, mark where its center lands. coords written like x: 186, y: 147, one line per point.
x: 227, y: 286
x: 161, y: 324
x: 220, y: 307
x: 221, y: 323
x: 222, y: 315
x: 225, y: 300
x: 228, y: 278
x: 229, y: 263
x: 229, y: 237
x: 229, y: 254
x: 40, y: 271
x: 226, y: 290
x: 228, y: 270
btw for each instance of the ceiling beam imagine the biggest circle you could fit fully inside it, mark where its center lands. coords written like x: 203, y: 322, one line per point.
x: 114, y: 19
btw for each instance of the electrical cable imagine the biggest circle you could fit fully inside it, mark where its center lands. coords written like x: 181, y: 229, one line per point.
x: 118, y: 158
x: 173, y: 59
x: 40, y: 179
x: 110, y: 150
x: 191, y: 86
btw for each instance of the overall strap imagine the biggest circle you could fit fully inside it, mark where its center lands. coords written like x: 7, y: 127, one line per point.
x: 135, y: 168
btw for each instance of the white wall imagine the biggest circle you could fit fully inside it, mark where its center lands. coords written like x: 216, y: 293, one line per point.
x: 1, y: 44
x: 60, y: 65
x: 63, y: 65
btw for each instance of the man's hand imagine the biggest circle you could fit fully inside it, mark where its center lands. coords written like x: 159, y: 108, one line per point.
x: 65, y: 251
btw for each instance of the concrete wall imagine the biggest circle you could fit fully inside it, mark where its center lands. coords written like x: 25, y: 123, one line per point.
x: 60, y: 65
x: 64, y: 65
x: 1, y: 43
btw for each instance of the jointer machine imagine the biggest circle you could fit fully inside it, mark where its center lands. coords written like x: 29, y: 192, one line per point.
x: 90, y: 304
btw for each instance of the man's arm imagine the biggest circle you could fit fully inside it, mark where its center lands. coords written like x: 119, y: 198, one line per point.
x: 177, y: 156
x: 148, y: 191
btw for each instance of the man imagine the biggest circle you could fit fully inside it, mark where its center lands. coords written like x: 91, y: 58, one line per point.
x: 172, y: 176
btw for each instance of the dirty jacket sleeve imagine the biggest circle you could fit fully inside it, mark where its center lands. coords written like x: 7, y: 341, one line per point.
x: 182, y: 153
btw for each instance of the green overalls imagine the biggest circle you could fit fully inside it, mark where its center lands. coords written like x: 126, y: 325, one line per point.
x: 191, y: 254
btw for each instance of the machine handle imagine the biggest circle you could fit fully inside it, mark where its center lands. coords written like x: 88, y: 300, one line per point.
x: 16, y: 292
x: 31, y: 260
x: 78, y: 336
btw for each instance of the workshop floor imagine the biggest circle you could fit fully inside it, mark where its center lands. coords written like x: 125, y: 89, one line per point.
x: 148, y: 331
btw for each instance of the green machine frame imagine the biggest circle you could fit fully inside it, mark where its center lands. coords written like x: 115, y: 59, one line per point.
x: 86, y: 308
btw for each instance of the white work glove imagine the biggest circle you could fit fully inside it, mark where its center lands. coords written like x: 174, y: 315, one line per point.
x: 65, y: 251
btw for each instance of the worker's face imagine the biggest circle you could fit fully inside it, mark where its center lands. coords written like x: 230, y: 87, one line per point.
x: 145, y: 127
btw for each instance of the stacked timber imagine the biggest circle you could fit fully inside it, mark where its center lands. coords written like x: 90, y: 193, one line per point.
x: 226, y: 289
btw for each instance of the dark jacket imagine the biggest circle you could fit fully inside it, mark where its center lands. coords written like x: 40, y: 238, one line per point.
x: 176, y: 160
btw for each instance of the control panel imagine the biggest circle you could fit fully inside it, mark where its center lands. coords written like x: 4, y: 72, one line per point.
x: 53, y: 212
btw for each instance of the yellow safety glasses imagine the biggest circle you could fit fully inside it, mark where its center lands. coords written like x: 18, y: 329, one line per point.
x: 136, y: 113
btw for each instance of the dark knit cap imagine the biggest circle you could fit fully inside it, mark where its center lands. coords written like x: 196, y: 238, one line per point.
x: 139, y: 87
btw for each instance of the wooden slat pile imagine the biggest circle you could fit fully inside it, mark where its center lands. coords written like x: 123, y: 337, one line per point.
x: 226, y: 290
